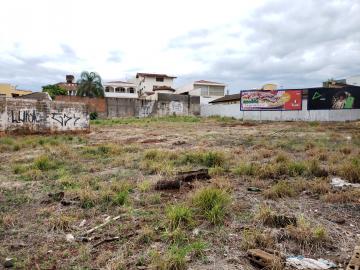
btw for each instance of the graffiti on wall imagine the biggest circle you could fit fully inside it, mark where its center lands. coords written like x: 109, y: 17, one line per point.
x: 24, y: 116
x: 34, y: 117
x: 146, y: 109
x: 63, y: 119
x: 176, y: 107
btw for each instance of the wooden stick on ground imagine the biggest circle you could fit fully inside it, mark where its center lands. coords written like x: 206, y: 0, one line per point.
x: 101, y: 225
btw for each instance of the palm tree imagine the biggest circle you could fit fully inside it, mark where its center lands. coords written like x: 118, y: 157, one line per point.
x: 89, y: 85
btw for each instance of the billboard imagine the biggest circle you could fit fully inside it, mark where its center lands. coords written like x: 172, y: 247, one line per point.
x: 277, y: 100
x: 334, y: 98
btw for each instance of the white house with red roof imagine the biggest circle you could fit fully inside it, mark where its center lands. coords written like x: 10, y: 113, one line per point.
x: 120, y: 89
x: 207, y: 90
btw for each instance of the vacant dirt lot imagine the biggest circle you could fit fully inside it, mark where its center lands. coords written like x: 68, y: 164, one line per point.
x: 55, y: 189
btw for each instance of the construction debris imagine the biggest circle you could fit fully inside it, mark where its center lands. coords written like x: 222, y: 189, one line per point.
x: 300, y: 262
x: 254, y: 189
x: 190, y: 176
x: 106, y: 241
x: 9, y: 262
x: 186, y: 177
x: 107, y: 221
x: 167, y: 184
x: 264, y: 258
x: 69, y: 237
x: 340, y: 183
x: 354, y: 263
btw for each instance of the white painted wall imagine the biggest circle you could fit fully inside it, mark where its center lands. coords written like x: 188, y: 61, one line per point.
x: 147, y: 84
x: 353, y: 80
x: 233, y: 110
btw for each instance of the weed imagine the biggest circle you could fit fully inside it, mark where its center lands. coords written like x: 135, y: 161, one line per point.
x: 88, y: 198
x: 176, y: 258
x: 19, y: 169
x: 198, y: 249
x: 144, y: 186
x: 212, y: 203
x: 44, y: 163
x: 350, y: 171
x: 280, y: 190
x: 208, y: 159
x: 314, y: 169
x: 246, y: 169
x: 178, y: 215
x: 60, y: 222
x: 307, y: 235
x: 254, y: 238
x: 296, y: 168
x: 216, y: 171
x: 121, y: 198
x: 345, y: 196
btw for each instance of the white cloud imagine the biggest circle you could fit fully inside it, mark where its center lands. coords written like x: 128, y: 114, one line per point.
x: 243, y: 43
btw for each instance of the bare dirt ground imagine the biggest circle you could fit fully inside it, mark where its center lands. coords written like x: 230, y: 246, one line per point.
x: 54, y: 189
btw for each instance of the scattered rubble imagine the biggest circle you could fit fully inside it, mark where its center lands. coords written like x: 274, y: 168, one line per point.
x: 253, y: 189
x: 202, y: 174
x: 69, y: 237
x: 107, y: 221
x: 300, y: 262
x: 337, y: 182
x: 354, y: 263
x: 167, y: 184
x: 264, y: 258
x: 186, y: 177
x: 9, y: 262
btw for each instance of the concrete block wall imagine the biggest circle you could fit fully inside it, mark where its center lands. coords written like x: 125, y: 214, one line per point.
x: 233, y: 110
x: 37, y: 117
x: 98, y: 105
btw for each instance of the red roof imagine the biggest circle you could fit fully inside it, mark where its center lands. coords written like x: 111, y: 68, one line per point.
x: 68, y: 86
x: 154, y: 75
x: 203, y: 81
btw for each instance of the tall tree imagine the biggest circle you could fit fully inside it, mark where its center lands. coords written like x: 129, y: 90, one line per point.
x: 90, y: 85
x: 54, y: 90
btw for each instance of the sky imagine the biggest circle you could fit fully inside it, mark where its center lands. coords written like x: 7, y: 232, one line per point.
x: 244, y: 44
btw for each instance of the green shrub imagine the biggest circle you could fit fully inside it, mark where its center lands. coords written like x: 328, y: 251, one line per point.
x: 178, y: 215
x: 212, y: 203
x: 121, y: 197
x: 44, y: 163
x: 246, y: 169
x: 296, y: 168
x: 280, y: 190
x: 208, y: 159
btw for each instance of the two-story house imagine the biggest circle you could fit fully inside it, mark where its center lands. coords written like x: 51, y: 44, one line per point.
x: 120, y: 89
x: 148, y: 84
x: 206, y: 90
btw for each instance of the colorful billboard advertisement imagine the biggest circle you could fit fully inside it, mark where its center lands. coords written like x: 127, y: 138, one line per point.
x: 277, y: 100
x: 334, y: 98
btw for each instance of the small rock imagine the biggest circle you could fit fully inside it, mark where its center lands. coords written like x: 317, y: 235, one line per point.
x: 9, y: 262
x: 196, y: 232
x: 339, y: 221
x: 254, y: 189
x: 82, y: 223
x: 70, y: 238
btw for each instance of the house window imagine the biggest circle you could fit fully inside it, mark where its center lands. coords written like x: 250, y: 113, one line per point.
x: 216, y: 91
x: 131, y: 90
x: 159, y: 79
x: 107, y: 89
x: 120, y: 90
x: 155, y: 87
x: 204, y: 91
